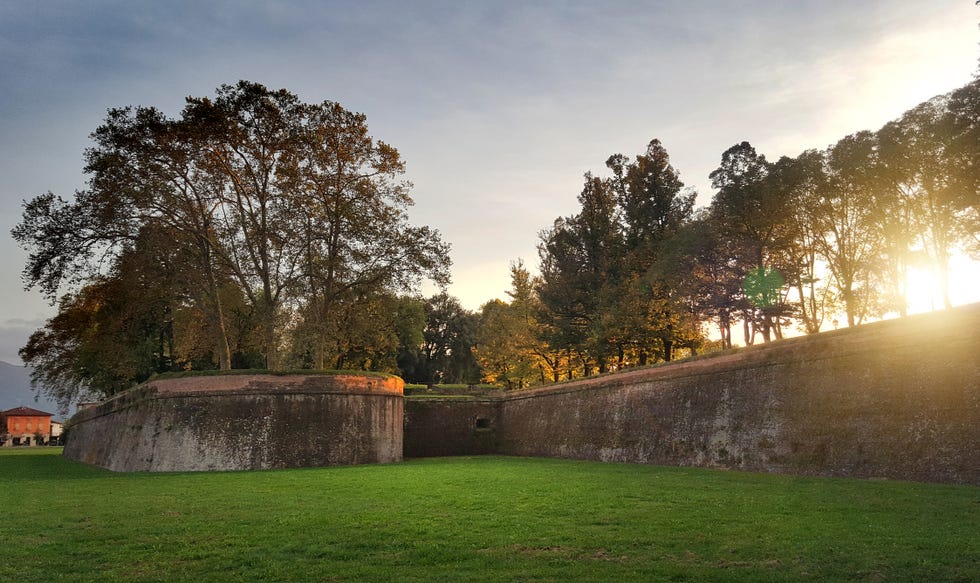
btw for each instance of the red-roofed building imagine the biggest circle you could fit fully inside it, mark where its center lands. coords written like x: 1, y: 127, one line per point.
x: 24, y: 426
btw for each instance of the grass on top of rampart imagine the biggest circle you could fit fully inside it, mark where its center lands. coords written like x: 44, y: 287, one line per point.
x: 256, y: 371
x: 476, y: 519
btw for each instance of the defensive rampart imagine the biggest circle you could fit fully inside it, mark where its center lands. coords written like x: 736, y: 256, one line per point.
x: 897, y: 399
x: 243, y: 422
x: 452, y: 425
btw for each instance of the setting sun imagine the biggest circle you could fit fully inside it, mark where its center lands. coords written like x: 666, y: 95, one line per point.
x: 923, y: 291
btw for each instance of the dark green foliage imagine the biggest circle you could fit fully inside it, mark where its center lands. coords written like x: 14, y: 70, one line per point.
x: 257, y: 231
x: 445, y: 353
x: 257, y: 222
x: 608, y: 296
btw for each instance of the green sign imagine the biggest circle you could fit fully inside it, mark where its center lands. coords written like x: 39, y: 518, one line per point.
x: 762, y: 287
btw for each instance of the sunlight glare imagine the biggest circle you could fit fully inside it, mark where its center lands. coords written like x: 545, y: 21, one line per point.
x: 923, y: 285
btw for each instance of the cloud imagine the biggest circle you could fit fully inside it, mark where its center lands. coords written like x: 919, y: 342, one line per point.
x: 14, y: 333
x: 498, y: 108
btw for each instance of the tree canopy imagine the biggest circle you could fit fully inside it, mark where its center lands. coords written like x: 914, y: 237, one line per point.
x: 269, y: 218
x: 255, y: 230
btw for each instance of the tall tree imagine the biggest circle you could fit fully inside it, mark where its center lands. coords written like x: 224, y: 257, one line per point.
x: 899, y: 210
x: 292, y: 207
x: 654, y: 205
x: 145, y: 172
x: 929, y: 158
x: 445, y: 354
x: 715, y: 269
x: 606, y: 300
x: 802, y: 181
x: 846, y: 219
x: 961, y: 126
x: 356, y: 231
x: 501, y: 350
x: 757, y: 215
x: 511, y: 349
x: 581, y: 259
x: 251, y: 133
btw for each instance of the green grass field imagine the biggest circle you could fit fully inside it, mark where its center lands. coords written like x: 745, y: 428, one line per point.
x: 476, y: 519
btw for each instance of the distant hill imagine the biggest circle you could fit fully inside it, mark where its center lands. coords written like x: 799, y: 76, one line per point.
x: 16, y: 391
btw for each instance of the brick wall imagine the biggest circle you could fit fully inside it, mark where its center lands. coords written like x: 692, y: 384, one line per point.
x: 897, y: 399
x: 441, y: 426
x: 243, y: 422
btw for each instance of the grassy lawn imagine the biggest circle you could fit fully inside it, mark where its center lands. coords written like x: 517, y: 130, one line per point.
x: 476, y: 519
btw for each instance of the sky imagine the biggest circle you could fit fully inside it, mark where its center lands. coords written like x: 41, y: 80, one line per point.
x: 498, y: 108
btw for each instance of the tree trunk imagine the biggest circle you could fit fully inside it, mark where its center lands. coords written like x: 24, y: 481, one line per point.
x: 171, y: 343
x: 849, y: 307
x: 217, y: 319
x: 270, y: 345
x: 944, y: 281
x: 271, y: 352
x: 725, y: 327
x: 222, y: 348
x: 322, y: 316
x: 903, y: 292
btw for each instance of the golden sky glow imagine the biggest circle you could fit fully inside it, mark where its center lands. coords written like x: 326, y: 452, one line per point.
x: 964, y: 285
x: 498, y: 108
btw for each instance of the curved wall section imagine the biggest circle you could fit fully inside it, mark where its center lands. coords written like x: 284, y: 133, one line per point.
x: 243, y: 422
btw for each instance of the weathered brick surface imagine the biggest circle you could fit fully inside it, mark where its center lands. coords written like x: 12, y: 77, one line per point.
x: 450, y: 426
x: 243, y: 422
x: 897, y: 399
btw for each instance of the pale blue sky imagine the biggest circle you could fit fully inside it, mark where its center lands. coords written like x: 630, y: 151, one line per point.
x: 497, y: 107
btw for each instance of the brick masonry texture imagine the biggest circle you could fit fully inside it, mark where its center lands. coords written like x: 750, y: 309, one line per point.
x: 243, y: 422
x: 897, y: 399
